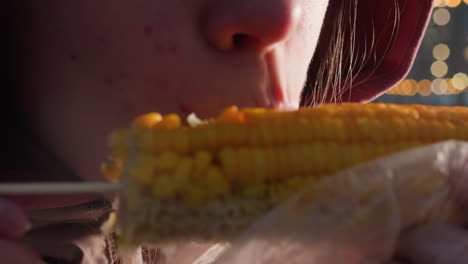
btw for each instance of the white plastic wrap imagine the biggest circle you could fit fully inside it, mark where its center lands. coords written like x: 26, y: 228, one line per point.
x: 355, y: 216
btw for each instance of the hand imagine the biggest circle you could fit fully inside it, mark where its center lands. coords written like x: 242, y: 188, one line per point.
x: 13, y: 224
x: 438, y: 244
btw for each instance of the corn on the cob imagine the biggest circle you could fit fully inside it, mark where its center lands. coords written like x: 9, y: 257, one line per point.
x: 211, y: 180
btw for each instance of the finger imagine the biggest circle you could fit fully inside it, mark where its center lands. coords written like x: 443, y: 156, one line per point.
x: 13, y: 221
x: 14, y: 253
x: 434, y: 245
x: 35, y: 202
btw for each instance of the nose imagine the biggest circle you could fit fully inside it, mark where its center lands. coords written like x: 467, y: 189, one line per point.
x: 254, y: 24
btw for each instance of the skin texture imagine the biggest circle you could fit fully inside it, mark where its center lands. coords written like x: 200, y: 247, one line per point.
x: 95, y: 65
x: 86, y: 67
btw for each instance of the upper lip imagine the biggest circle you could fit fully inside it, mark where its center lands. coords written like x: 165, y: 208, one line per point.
x: 275, y: 89
x: 273, y: 93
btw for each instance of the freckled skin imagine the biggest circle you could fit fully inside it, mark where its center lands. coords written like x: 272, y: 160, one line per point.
x: 132, y: 57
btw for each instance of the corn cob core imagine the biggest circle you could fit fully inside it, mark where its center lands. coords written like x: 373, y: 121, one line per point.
x: 256, y: 153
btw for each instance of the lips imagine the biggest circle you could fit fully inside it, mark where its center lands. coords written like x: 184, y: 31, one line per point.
x: 274, y: 90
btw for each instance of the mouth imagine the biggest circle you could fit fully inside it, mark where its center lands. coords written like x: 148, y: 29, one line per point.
x: 273, y: 92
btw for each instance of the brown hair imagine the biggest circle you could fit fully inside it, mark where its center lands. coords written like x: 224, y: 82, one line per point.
x: 343, y: 51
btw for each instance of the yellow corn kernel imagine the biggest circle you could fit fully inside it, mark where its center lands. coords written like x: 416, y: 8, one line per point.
x: 169, y: 122
x: 307, y: 154
x: 145, y: 141
x: 197, y: 140
x: 259, y: 172
x: 283, y: 166
x: 230, y: 115
x: 239, y: 135
x: 245, y: 164
x: 252, y: 159
x: 146, y: 121
x: 181, y: 142
x: 160, y: 141
x: 346, y: 123
x: 228, y: 161
x: 201, y: 161
x: 215, y: 181
x: 271, y: 163
x: 111, y: 171
x: 212, y: 138
x: 167, y: 160
x: 183, y: 171
x: 451, y: 130
x: 163, y: 186
x: 254, y: 115
x: 143, y: 169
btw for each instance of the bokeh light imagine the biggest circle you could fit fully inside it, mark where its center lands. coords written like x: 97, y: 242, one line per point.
x: 449, y: 58
x: 441, y: 16
x: 452, y: 3
x: 439, y: 86
x: 441, y: 51
x: 396, y: 89
x: 424, y: 87
x: 439, y: 3
x: 460, y: 81
x: 409, y: 87
x: 439, y: 68
x: 450, y: 88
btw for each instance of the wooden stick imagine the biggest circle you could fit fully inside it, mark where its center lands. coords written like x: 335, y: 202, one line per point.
x: 58, y: 187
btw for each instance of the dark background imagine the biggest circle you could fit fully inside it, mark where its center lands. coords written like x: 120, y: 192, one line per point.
x: 447, y: 82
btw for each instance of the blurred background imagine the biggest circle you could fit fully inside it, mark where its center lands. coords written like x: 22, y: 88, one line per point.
x: 440, y: 73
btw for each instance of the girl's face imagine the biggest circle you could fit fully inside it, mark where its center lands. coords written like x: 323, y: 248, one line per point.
x: 89, y: 66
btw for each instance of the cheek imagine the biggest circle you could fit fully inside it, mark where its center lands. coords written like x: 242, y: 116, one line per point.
x: 301, y: 47
x: 310, y: 27
x: 108, y: 66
